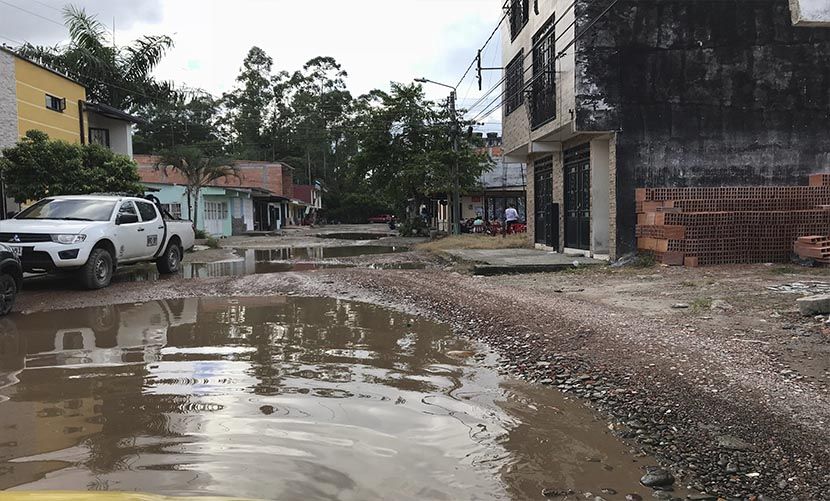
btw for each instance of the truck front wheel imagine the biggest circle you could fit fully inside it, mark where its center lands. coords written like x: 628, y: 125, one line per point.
x: 97, y: 272
x: 8, y: 291
x: 171, y: 261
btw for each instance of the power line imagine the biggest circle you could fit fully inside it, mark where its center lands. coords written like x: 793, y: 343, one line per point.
x: 558, y: 56
x: 525, y: 56
x: 32, y: 13
x: 47, y: 5
x: 473, y: 62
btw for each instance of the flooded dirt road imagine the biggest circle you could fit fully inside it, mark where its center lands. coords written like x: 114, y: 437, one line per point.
x: 284, y: 398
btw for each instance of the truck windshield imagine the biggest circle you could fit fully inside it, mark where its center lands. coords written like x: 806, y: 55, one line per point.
x: 69, y: 210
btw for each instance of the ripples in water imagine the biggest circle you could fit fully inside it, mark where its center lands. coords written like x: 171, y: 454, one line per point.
x: 280, y: 398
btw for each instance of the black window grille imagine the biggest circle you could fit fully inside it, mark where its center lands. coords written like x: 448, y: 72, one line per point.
x: 514, y: 86
x: 519, y: 15
x: 99, y: 136
x: 543, y: 88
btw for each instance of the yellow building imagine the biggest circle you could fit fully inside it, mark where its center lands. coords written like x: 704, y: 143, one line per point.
x: 46, y: 101
x: 35, y: 97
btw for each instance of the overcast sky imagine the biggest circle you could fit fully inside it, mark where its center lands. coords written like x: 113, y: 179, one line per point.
x: 376, y: 41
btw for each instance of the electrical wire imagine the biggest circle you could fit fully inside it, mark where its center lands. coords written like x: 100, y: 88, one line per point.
x: 32, y: 13
x: 489, y: 109
x: 529, y: 53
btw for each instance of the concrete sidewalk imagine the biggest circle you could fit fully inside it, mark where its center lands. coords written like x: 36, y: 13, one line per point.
x: 510, y: 261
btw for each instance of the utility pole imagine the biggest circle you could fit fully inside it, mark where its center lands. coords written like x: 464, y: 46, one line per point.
x: 456, y: 187
x: 455, y: 196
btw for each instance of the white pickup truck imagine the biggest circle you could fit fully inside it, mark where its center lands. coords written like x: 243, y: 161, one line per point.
x: 94, y: 234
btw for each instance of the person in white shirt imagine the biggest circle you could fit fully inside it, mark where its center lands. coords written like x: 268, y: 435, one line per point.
x: 511, y: 217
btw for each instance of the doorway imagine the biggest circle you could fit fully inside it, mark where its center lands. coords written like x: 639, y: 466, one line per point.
x: 215, y: 215
x: 543, y: 203
x: 578, y: 197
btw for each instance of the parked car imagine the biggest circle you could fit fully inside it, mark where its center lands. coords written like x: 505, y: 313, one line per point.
x: 380, y: 218
x: 93, y: 235
x: 11, y: 278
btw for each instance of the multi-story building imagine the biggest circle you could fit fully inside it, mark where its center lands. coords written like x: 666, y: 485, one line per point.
x: 604, y: 96
x: 34, y: 97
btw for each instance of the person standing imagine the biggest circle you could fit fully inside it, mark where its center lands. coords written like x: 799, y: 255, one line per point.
x: 511, y: 217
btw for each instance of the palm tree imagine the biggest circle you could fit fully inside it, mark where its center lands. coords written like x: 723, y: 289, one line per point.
x: 199, y: 169
x: 118, y: 76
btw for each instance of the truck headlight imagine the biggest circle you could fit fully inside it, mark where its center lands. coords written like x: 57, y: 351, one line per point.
x: 68, y: 239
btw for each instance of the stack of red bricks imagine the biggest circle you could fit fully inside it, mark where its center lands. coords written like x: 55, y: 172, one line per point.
x: 815, y: 247
x: 730, y: 225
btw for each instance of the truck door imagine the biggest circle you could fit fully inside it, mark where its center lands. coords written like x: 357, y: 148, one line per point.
x: 131, y: 242
x: 153, y: 227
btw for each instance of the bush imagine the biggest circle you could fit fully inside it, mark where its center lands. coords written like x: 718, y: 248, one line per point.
x: 201, y: 235
x: 37, y: 167
x: 413, y: 227
x: 212, y: 243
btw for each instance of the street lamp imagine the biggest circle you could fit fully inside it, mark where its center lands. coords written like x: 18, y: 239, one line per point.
x: 456, y: 195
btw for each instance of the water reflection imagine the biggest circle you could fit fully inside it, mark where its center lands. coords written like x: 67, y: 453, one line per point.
x: 259, y: 261
x: 275, y: 398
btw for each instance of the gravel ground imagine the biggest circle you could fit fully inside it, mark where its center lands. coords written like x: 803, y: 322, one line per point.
x: 730, y: 392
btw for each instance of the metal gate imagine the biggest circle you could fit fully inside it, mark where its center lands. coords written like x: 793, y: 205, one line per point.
x: 578, y: 197
x: 543, y: 203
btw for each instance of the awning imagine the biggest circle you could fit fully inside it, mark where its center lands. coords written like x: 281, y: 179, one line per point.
x: 114, y: 113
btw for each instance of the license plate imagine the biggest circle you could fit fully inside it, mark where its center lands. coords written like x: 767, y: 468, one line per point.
x: 17, y: 251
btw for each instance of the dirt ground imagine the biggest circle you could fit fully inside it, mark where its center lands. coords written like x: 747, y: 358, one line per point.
x: 708, y: 369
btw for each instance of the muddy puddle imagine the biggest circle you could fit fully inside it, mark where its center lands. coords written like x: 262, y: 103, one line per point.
x: 259, y: 261
x: 283, y: 398
x: 355, y: 236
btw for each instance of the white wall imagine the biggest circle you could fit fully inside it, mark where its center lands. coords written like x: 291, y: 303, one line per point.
x: 121, y: 132
x: 8, y: 114
x: 600, y: 196
x: 810, y: 12
x: 248, y: 213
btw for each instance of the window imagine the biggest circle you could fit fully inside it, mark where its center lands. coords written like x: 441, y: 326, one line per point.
x: 515, y: 83
x: 543, y: 89
x: 519, y: 15
x: 174, y: 210
x: 70, y: 210
x: 216, y: 211
x: 55, y: 103
x: 99, y: 136
x: 127, y: 208
x: 147, y: 211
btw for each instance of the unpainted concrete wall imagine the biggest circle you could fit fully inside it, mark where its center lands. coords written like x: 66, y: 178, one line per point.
x: 703, y: 93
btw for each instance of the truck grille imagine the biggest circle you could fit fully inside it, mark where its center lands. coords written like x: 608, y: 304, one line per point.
x: 24, y: 238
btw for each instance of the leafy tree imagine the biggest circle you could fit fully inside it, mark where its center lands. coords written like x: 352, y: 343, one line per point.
x: 37, y: 167
x: 199, y: 168
x: 118, y: 76
x: 320, y: 108
x: 248, y: 105
x: 182, y: 120
x: 404, y: 147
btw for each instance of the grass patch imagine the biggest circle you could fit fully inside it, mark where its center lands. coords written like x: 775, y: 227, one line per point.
x: 644, y: 260
x: 521, y: 241
x: 212, y: 243
x: 688, y: 283
x: 701, y: 304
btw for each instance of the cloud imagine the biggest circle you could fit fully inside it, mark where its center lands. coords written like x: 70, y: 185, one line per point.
x: 376, y: 41
x: 41, y: 22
